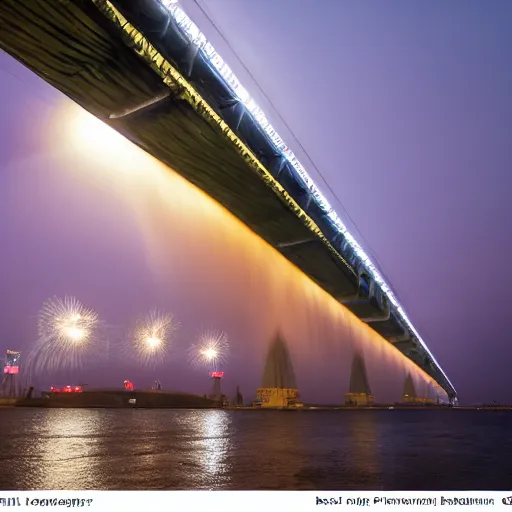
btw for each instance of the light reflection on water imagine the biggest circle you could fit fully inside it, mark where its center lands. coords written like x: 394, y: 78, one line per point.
x: 366, y: 446
x: 214, y: 449
x: 70, y: 439
x: 214, y: 445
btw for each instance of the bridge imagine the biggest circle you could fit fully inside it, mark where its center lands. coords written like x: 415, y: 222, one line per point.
x: 145, y: 69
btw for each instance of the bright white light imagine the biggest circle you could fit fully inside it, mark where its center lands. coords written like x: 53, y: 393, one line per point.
x: 153, y: 335
x: 75, y: 333
x: 68, y: 337
x: 153, y: 342
x: 196, y: 36
x: 88, y: 135
x: 64, y: 320
x: 209, y: 353
x: 93, y: 132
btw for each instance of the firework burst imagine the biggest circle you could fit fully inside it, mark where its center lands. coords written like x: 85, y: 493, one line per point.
x: 67, y: 321
x: 211, y: 351
x: 152, y: 336
x: 67, y: 332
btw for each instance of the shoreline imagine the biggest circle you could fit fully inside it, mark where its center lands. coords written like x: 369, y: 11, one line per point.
x: 42, y: 403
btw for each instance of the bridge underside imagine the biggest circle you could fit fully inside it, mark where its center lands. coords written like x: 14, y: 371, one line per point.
x: 171, y: 102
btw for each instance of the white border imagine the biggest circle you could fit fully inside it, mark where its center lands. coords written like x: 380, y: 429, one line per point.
x: 236, y: 501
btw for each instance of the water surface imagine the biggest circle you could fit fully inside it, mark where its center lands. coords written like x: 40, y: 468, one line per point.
x: 216, y: 449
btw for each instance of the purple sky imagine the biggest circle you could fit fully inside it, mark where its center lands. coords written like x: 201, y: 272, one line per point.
x: 405, y: 110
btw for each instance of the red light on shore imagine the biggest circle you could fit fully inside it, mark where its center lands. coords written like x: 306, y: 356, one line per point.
x: 66, y: 389
x: 12, y: 370
x: 128, y: 385
x: 216, y: 375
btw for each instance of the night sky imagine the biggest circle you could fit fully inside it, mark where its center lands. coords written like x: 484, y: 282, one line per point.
x: 405, y: 110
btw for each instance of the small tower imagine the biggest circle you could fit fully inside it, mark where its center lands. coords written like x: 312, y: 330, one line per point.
x: 11, y: 370
x: 216, y: 394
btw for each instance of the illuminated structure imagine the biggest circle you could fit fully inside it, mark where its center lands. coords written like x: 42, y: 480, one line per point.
x: 279, y: 389
x: 162, y: 82
x: 11, y: 370
x: 128, y: 385
x: 216, y: 393
x: 360, y: 393
x: 411, y: 396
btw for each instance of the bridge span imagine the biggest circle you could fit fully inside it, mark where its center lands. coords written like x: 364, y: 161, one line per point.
x: 145, y: 69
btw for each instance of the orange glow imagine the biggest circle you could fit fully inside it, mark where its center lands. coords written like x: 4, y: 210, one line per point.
x: 87, y: 135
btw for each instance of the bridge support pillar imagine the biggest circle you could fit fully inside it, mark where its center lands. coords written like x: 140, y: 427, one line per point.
x: 359, y: 399
x: 277, y: 398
